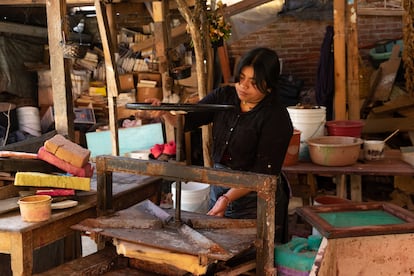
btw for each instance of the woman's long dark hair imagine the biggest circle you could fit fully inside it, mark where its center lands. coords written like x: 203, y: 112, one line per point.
x: 265, y: 63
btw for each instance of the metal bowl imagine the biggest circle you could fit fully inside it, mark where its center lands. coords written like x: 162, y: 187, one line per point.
x: 334, y: 150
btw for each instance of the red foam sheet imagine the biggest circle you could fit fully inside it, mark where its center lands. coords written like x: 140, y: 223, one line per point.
x: 85, y: 171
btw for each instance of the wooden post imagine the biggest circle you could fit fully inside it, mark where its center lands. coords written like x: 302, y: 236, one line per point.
x: 61, y: 83
x: 162, y: 43
x: 112, y: 79
x: 111, y: 23
x: 352, y: 62
x: 340, y: 61
x: 224, y: 63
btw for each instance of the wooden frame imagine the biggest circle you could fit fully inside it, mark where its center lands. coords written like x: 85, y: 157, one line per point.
x: 312, y: 215
x: 264, y: 185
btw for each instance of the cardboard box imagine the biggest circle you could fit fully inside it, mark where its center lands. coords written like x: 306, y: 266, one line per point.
x: 45, y: 95
x: 148, y: 92
x: 44, y: 78
x: 152, y: 76
x: 126, y: 82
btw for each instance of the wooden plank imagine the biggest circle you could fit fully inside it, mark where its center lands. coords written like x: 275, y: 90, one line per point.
x: 161, y: 257
x: 368, y: 103
x: 94, y: 264
x: 13, y: 28
x: 62, y: 96
x: 112, y: 78
x: 387, y: 125
x: 238, y: 270
x: 9, y: 191
x: 9, y: 204
x: 224, y: 63
x: 242, y: 6
x: 380, y: 12
x: 389, y: 70
x: 28, y: 165
x: 402, y: 101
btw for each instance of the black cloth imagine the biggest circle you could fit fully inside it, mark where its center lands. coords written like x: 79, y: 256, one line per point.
x: 325, y: 81
x: 254, y: 141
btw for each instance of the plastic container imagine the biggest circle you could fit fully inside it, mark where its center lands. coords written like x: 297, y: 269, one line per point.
x: 382, y: 51
x: 296, y: 257
x: 35, y: 208
x: 29, y: 120
x: 351, y: 128
x: 292, y: 154
x: 334, y: 150
x: 311, y: 123
x: 374, y: 149
x: 194, y: 196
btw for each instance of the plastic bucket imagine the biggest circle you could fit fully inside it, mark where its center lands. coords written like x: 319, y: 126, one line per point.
x: 194, y: 196
x: 292, y: 154
x: 351, y: 128
x: 35, y: 208
x: 311, y: 123
x: 29, y: 120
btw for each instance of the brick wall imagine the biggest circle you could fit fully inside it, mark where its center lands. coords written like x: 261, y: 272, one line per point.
x: 372, y: 29
x: 298, y: 41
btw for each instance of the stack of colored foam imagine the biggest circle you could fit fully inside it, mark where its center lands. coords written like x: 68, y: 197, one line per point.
x: 65, y: 155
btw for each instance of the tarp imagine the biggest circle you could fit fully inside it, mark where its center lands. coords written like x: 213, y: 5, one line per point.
x: 14, y: 77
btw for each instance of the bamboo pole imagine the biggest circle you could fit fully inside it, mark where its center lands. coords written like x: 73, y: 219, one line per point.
x: 352, y: 62
x: 340, y: 60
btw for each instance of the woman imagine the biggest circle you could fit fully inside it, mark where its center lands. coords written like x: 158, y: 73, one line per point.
x: 252, y: 137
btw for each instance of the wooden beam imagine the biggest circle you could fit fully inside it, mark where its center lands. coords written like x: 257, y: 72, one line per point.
x: 352, y: 62
x: 31, y: 3
x: 396, y: 104
x: 61, y: 85
x: 13, y: 28
x: 176, y: 32
x: 243, y: 6
x: 380, y: 12
x: 112, y: 78
x: 340, y: 60
x: 388, y: 125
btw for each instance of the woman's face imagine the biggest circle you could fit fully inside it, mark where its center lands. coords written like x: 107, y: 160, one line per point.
x: 246, y: 88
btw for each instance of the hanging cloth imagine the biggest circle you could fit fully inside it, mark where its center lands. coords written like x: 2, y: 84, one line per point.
x: 325, y: 75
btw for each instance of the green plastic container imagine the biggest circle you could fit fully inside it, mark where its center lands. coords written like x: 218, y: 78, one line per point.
x: 296, y: 257
x: 382, y: 51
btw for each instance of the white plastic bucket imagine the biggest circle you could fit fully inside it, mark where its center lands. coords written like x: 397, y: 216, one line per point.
x: 29, y: 120
x: 310, y: 121
x: 194, y: 196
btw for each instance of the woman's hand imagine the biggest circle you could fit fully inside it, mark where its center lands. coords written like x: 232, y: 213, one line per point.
x: 155, y: 102
x: 220, y: 207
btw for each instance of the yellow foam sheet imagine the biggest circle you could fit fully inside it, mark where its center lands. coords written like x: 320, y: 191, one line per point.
x: 50, y: 180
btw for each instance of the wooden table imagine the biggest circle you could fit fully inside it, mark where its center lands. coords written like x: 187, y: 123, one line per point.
x: 391, y: 165
x: 20, y: 239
